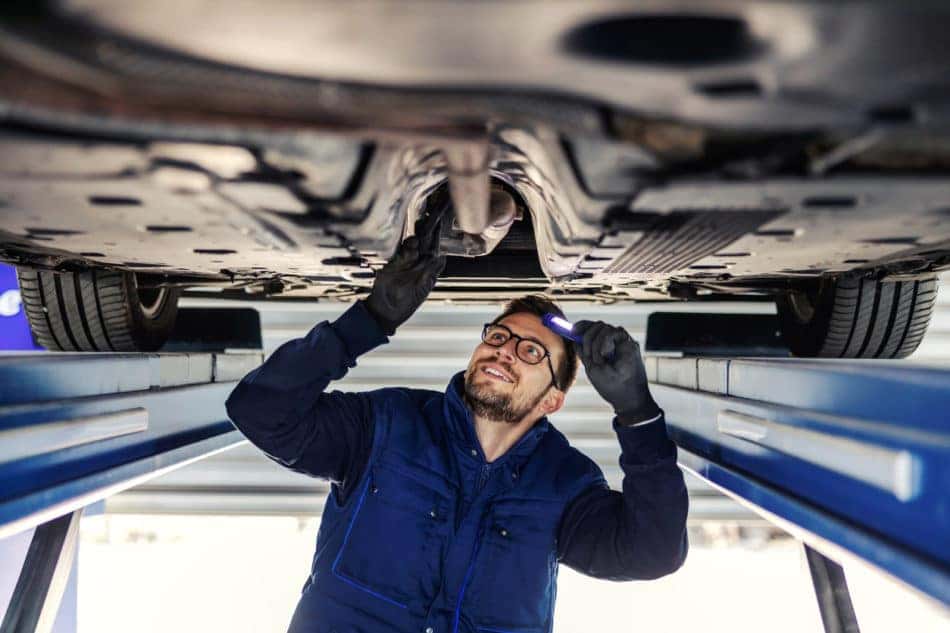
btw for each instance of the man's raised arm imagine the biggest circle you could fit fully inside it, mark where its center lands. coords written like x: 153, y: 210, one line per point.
x: 281, y: 406
x: 640, y: 533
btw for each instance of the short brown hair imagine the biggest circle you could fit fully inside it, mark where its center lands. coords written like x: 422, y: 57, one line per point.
x: 540, y: 305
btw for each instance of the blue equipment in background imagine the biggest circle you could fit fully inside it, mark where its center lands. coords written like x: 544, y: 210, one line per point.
x: 14, y: 329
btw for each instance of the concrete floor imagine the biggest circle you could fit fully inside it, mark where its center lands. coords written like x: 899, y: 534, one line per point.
x: 155, y: 574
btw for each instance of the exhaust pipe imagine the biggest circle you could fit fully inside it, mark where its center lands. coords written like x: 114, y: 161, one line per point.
x: 483, y: 209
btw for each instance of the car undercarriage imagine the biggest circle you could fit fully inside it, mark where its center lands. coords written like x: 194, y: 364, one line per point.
x: 593, y: 151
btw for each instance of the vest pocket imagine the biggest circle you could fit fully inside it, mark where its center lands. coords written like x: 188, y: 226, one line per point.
x: 513, y: 582
x: 394, y: 543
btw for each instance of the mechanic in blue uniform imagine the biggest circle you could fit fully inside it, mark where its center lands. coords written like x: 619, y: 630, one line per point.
x: 450, y: 512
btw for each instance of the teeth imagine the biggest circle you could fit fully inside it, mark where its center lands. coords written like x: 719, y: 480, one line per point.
x: 495, y: 372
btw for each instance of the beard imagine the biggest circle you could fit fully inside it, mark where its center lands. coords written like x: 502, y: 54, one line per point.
x: 497, y: 407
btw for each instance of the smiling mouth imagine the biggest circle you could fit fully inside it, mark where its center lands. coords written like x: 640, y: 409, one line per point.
x: 495, y: 374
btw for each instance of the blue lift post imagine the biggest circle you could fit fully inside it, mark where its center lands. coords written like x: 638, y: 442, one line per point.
x: 77, y: 428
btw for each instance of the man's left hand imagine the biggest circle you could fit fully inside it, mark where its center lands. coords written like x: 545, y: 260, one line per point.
x: 615, y: 368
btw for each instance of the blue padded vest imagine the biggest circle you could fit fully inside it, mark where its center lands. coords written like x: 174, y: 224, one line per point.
x: 434, y: 539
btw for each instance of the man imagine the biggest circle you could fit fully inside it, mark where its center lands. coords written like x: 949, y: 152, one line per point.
x: 450, y: 512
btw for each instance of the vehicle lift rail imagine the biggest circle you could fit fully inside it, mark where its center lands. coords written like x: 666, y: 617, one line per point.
x: 851, y: 457
x: 77, y: 428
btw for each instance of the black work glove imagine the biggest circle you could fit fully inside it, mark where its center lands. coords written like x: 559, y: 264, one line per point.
x: 403, y: 284
x: 615, y: 368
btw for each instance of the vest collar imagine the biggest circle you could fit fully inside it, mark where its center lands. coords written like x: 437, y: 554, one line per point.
x: 461, y: 425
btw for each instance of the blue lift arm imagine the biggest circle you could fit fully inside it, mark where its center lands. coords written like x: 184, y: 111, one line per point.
x: 76, y: 428
x: 852, y: 457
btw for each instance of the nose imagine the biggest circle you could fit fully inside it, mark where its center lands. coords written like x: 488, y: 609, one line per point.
x: 508, y: 350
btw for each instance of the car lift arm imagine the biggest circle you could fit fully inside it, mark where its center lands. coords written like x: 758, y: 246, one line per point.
x: 77, y: 428
x: 851, y: 457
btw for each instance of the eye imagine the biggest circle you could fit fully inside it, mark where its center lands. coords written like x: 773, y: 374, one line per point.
x: 533, y: 351
x: 497, y: 337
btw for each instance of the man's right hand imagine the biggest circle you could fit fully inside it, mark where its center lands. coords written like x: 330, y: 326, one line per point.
x: 403, y: 284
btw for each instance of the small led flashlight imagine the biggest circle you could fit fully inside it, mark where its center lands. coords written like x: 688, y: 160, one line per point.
x: 561, y: 327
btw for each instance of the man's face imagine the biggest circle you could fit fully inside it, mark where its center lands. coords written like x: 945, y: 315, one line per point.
x: 523, y: 389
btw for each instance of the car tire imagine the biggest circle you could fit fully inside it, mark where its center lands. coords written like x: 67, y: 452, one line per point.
x: 857, y: 317
x: 96, y: 311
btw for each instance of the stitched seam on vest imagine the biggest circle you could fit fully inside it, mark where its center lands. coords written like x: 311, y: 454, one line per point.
x: 468, y: 574
x: 339, y: 554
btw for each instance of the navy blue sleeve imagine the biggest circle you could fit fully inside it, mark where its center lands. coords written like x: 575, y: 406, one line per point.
x: 282, y: 409
x: 641, y: 533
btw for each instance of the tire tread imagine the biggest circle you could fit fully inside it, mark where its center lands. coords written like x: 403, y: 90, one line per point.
x: 90, y: 311
x: 864, y: 318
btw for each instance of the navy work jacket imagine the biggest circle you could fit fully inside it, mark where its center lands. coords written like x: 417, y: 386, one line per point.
x: 420, y: 534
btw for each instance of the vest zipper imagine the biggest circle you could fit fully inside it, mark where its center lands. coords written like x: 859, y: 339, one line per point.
x: 468, y: 573
x: 483, y: 476
x: 482, y: 479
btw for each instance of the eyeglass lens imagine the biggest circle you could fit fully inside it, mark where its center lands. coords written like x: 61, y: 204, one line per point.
x: 529, y: 351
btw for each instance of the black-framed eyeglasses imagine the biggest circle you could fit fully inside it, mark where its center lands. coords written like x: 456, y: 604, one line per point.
x: 528, y: 350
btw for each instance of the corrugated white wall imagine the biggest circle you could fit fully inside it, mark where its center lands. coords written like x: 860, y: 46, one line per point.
x: 936, y: 344
x: 426, y: 351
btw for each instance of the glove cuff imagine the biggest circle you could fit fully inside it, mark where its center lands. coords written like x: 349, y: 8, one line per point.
x: 358, y: 330
x: 628, y: 417
x: 386, y: 325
